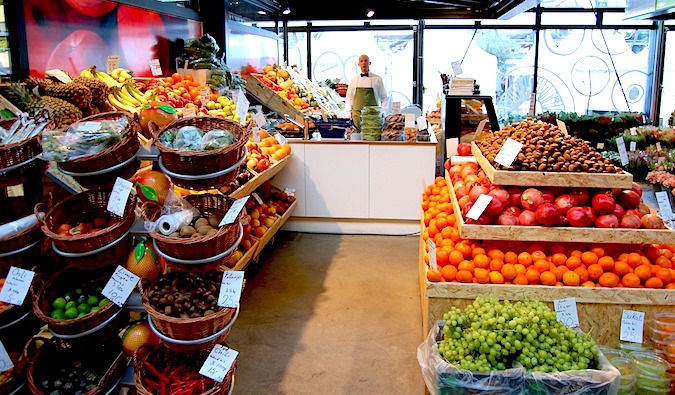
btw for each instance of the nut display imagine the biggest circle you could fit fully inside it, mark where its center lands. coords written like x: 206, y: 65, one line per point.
x: 200, y: 226
x: 545, y: 148
x: 186, y: 295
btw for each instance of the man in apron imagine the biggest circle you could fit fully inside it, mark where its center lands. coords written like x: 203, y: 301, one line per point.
x: 365, y: 89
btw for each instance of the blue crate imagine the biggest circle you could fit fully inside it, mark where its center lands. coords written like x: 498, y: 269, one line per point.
x: 333, y: 128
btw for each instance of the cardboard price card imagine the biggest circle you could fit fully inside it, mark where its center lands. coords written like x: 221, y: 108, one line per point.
x: 621, y: 145
x: 155, y: 68
x: 507, y: 154
x: 230, y: 289
x: 120, y: 286
x: 5, y: 360
x: 234, y: 211
x: 119, y: 196
x: 218, y: 363
x: 632, y: 326
x: 432, y: 255
x: 16, y: 286
x: 478, y: 207
x: 566, y: 310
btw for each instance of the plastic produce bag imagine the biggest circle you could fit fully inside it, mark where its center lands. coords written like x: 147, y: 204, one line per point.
x: 83, y: 139
x: 188, y: 138
x: 216, y: 139
x: 175, y: 214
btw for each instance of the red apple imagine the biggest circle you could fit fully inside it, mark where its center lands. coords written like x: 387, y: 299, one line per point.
x: 464, y: 149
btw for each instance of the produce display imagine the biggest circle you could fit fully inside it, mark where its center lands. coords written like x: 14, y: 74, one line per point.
x: 58, y: 111
x: 191, y: 138
x: 78, y: 303
x: 199, y: 226
x: 243, y: 176
x: 83, y: 139
x: 489, y: 335
x: 75, y: 379
x: 372, y: 119
x: 545, y: 148
x: 201, y: 53
x: 262, y: 154
x: 82, y: 228
x: 20, y: 131
x: 186, y: 295
x: 394, y: 125
x: 175, y: 380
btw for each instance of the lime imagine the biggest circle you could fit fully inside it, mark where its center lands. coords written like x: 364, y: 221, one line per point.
x: 68, y: 296
x: 78, y: 291
x: 59, y: 303
x: 81, y: 299
x: 58, y: 314
x: 71, y: 313
x: 81, y: 315
x: 103, y: 302
x: 94, y: 309
x: 99, y: 289
x: 92, y: 300
x: 70, y: 304
x: 83, y: 308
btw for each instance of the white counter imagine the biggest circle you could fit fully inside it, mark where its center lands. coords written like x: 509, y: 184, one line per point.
x: 352, y: 187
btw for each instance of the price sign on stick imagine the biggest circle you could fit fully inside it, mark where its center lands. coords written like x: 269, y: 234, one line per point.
x: 533, y: 104
x: 113, y: 63
x: 16, y: 286
x: 258, y: 118
x: 5, y: 360
x: 256, y: 134
x: 478, y: 207
x: 119, y: 196
x: 507, y: 154
x: 155, y: 68
x: 633, y: 145
x: 632, y: 326
x: 230, y: 289
x: 432, y: 255
x: 566, y: 310
x: 456, y: 68
x: 665, y: 211
x: 291, y: 191
x: 421, y: 123
x: 218, y: 363
x: 280, y: 138
x: 234, y: 211
x: 600, y: 145
x: 189, y: 112
x: 242, y: 107
x: 257, y: 198
x: 621, y: 145
x: 205, y: 96
x: 120, y: 286
x: 409, y: 120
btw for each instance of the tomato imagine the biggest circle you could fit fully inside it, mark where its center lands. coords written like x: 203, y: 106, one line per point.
x: 63, y: 228
x: 189, y: 77
x: 100, y: 222
x: 177, y: 77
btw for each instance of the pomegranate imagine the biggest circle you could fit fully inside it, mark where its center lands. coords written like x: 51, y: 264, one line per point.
x: 513, y: 210
x: 548, y: 215
x: 494, y: 207
x: 591, y: 214
x: 531, y: 199
x: 607, y: 221
x: 501, y: 194
x: 636, y: 188
x: 466, y: 208
x: 564, y: 202
x: 644, y: 209
x: 615, y: 192
x: 619, y: 212
x: 603, y: 204
x: 460, y: 192
x: 578, y: 217
x: 629, y: 199
x: 634, y: 212
x: 507, y: 218
x: 463, y: 201
x: 527, y: 218
x: 464, y: 149
x: 482, y: 220
x: 652, y: 221
x: 580, y: 195
x: 515, y: 193
x: 548, y: 195
x: 630, y: 221
x: 476, y: 191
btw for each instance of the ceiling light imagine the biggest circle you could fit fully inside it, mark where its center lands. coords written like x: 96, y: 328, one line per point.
x: 287, y: 10
x: 261, y: 12
x: 370, y: 13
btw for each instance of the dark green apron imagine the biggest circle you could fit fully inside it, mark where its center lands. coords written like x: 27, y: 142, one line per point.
x: 362, y: 98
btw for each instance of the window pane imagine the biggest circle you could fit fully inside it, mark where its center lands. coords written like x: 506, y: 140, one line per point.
x: 584, y: 3
x: 297, y: 51
x: 617, y: 18
x: 5, y: 64
x: 336, y: 54
x: 449, y: 22
x: 525, y: 18
x: 576, y: 72
x: 668, y: 92
x: 568, y: 18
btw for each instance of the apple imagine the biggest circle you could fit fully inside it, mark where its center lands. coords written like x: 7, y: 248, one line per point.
x: 269, y: 222
x: 464, y: 149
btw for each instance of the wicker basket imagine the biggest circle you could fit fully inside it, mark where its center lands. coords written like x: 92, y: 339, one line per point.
x: 22, y: 249
x: 187, y: 328
x: 115, y: 252
x: 85, y: 206
x: 203, y: 162
x: 193, y: 346
x: 208, y: 181
x: 18, y: 376
x: 18, y: 161
x: 164, y: 359
x: 44, y: 291
x: 56, y: 354
x: 202, y: 247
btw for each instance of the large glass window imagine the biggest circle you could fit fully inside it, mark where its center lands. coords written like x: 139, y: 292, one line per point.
x: 335, y: 56
x: 668, y: 92
x: 297, y: 51
x: 5, y: 65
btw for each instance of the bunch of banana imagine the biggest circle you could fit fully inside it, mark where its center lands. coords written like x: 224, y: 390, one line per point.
x: 128, y: 98
x: 121, y: 75
x: 93, y: 73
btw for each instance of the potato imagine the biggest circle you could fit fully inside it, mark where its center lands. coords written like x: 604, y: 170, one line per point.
x: 202, y: 230
x: 214, y: 221
x: 201, y: 222
x: 187, y: 231
x: 195, y: 235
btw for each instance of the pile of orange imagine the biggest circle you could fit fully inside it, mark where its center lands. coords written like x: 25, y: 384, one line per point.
x: 553, y: 264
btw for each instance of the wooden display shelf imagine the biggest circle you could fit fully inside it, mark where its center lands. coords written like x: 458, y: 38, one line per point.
x: 260, y: 178
x: 270, y: 98
x: 551, y: 179
x: 554, y: 234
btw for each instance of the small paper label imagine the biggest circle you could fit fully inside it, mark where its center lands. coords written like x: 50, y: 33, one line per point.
x: 396, y: 107
x: 230, y: 289
x: 258, y: 118
x: 456, y: 68
x: 289, y: 191
x: 218, y: 363
x: 204, y: 96
x: 633, y: 145
x: 234, y: 211
x: 257, y: 198
x: 621, y: 145
x: 155, y: 68
x: 242, y: 107
x: 113, y: 63
x: 633, y: 132
x: 478, y: 207
x: 508, y: 153
x: 88, y: 126
x: 409, y: 121
x: 658, y: 146
x: 451, y: 146
x: 432, y: 255
x: 59, y: 75
x: 421, y: 123
x: 189, y: 112
x: 600, y: 145
x: 566, y: 310
x: 256, y: 134
x: 665, y: 210
x: 120, y: 286
x: 632, y: 326
x: 280, y: 138
x: 5, y: 360
x: 16, y: 286
x: 119, y: 196
x: 533, y: 104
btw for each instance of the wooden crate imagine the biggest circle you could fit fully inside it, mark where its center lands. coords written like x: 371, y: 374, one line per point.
x: 551, y: 179
x: 270, y: 98
x: 554, y: 234
x: 260, y: 178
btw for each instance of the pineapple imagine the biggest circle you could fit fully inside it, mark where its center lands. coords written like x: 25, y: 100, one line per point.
x: 72, y: 92
x: 98, y: 88
x: 59, y: 112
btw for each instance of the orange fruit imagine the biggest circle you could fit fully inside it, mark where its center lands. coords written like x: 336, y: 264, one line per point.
x: 520, y: 269
x: 524, y: 258
x: 634, y: 260
x: 464, y: 276
x: 441, y: 223
x: 666, y: 252
x: 482, y: 276
x: 532, y: 276
x: 670, y: 286
x: 455, y: 257
x: 623, y: 257
x: 573, y: 262
x: 665, y: 275
x: 608, y: 280
x: 589, y: 258
x: 509, y: 271
x: 481, y: 260
x: 496, y: 254
x: 606, y: 262
x: 511, y: 257
x: 446, y: 233
x: 570, y: 278
x: 643, y: 272
x: 582, y: 273
x: 496, y: 278
x: 449, y: 273
x: 477, y: 251
x: 521, y: 279
x: 559, y: 284
x: 621, y: 268
x: 599, y: 251
x: 496, y: 265
x: 631, y: 280
x: 548, y: 278
x: 441, y: 257
x: 595, y: 271
x: 576, y: 253
x: 645, y: 260
x: 588, y: 284
x: 559, y: 259
x: 654, y: 282
x: 538, y: 255
x: 464, y: 248
x: 434, y: 275
x: 466, y: 265
x: 541, y: 265
x: 558, y: 272
x: 663, y: 261
x: 143, y: 262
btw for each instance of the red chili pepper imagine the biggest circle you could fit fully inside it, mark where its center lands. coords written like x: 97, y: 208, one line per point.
x: 151, y: 384
x: 201, y: 380
x: 156, y: 372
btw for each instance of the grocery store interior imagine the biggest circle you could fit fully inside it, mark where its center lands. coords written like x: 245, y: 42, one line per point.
x: 280, y: 197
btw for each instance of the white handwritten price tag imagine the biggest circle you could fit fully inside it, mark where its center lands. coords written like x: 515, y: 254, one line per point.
x: 291, y: 191
x: 633, y: 145
x: 409, y: 120
x: 478, y: 207
x: 533, y: 104
x: 113, y: 63
x: 600, y: 145
x: 230, y: 289
x: 120, y: 286
x: 566, y: 310
x: 396, y: 107
x: 88, y: 126
x: 155, y: 68
x: 258, y: 118
x: 632, y: 326
x: 432, y: 255
x: 621, y: 145
x: 119, y: 196
x: 658, y: 146
x: 5, y: 360
x: 189, y: 112
x: 421, y: 123
x: 218, y: 363
x: 59, y: 75
x: 204, y: 96
x: 242, y: 107
x: 665, y: 210
x: 256, y: 134
x: 257, y: 198
x: 16, y: 286
x: 280, y: 138
x: 456, y: 68
x: 633, y: 132
x: 508, y: 153
x: 234, y: 211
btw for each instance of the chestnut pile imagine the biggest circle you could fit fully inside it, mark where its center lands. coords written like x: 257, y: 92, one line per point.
x: 545, y: 148
x: 186, y: 295
x: 200, y: 226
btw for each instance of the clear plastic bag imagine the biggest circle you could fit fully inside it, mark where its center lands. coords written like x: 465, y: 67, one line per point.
x: 175, y: 213
x: 188, y: 138
x: 216, y: 139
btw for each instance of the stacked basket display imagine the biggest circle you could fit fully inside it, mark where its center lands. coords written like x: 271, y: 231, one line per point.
x: 19, y: 160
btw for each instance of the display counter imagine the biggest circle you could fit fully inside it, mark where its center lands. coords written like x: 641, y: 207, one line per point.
x: 362, y: 187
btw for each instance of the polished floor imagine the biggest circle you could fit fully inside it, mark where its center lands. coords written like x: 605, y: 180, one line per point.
x: 331, y: 314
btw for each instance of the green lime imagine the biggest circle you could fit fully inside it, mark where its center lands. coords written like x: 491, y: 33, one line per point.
x: 103, y: 302
x: 81, y: 299
x: 68, y: 296
x: 92, y: 300
x: 59, y: 303
x: 94, y: 309
x: 70, y: 304
x: 71, y: 313
x: 81, y: 315
x: 78, y: 291
x: 58, y: 314
x: 99, y: 289
x: 83, y: 308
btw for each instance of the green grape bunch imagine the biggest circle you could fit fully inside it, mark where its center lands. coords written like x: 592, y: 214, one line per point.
x: 491, y: 335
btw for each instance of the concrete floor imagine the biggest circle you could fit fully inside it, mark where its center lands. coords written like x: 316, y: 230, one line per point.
x: 331, y: 314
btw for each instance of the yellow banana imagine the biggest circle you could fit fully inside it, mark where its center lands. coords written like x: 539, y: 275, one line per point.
x: 128, y: 97
x: 86, y: 73
x: 105, y: 78
x: 116, y: 73
x: 136, y: 94
x: 126, y: 74
x: 119, y: 105
x: 149, y: 94
x: 123, y: 98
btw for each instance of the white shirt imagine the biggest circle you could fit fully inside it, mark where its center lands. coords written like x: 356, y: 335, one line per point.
x: 371, y: 81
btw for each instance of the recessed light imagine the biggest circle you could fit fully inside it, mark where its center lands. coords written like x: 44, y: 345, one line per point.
x: 287, y: 10
x: 261, y: 12
x: 370, y: 13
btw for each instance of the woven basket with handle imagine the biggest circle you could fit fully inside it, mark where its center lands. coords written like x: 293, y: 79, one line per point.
x: 18, y: 162
x: 22, y: 248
